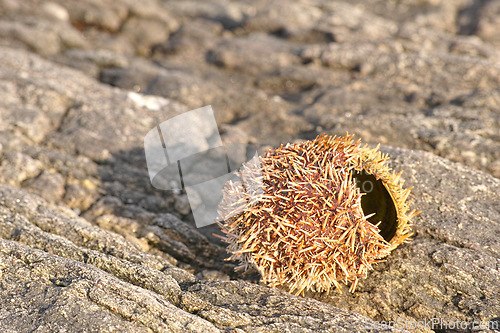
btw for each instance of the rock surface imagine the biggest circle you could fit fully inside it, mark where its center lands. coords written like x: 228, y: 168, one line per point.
x: 87, y: 244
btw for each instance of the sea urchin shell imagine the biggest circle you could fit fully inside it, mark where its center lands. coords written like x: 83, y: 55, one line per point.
x: 328, y: 210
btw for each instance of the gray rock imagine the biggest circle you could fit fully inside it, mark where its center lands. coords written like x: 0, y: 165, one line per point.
x: 65, y: 273
x: 452, y: 264
x: 49, y: 186
x: 55, y: 11
x: 87, y: 244
x: 237, y: 54
x: 44, y: 36
x: 77, y: 267
x: 144, y: 33
x: 230, y: 14
x: 17, y: 167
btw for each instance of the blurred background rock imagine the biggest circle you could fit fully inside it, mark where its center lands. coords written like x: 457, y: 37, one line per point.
x: 422, y: 75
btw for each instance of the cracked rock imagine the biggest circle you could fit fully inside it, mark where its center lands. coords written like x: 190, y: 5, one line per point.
x: 88, y: 244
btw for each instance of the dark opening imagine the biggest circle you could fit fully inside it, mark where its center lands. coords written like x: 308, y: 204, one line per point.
x: 377, y: 200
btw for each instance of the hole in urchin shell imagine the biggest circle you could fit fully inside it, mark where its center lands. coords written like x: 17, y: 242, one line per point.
x: 377, y: 200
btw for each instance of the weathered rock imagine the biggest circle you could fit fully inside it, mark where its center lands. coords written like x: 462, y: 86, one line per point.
x: 451, y: 267
x: 58, y: 271
x: 87, y: 244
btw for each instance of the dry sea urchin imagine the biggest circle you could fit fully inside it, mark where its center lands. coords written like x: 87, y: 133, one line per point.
x: 328, y: 210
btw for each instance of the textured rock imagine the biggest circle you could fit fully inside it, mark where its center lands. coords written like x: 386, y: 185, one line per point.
x: 451, y: 268
x: 87, y: 244
x: 60, y: 272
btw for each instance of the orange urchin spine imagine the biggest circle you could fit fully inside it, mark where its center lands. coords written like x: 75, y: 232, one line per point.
x: 307, y: 228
